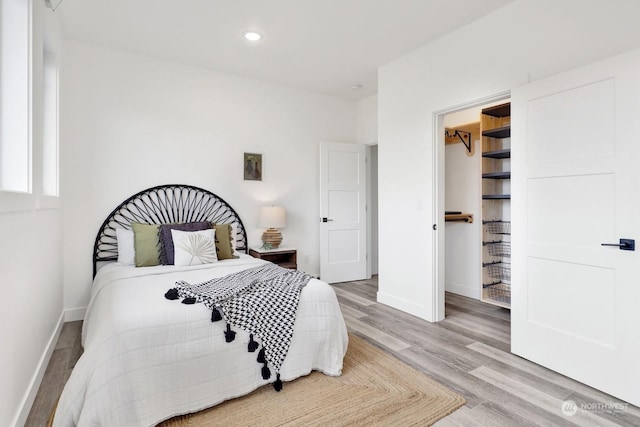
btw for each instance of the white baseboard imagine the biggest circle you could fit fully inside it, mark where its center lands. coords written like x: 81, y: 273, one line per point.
x: 465, y: 291
x: 34, y: 385
x: 73, y: 314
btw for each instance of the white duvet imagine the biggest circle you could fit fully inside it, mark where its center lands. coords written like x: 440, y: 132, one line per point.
x: 147, y: 359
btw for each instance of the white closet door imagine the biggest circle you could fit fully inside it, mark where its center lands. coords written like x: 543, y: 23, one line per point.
x: 576, y: 178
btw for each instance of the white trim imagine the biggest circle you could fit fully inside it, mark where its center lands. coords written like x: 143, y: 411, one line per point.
x: 73, y: 314
x: 30, y: 396
x: 367, y: 151
x: 438, y: 250
x: 463, y: 290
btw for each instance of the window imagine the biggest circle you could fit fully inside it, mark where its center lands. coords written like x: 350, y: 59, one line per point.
x: 15, y: 115
x: 50, y: 125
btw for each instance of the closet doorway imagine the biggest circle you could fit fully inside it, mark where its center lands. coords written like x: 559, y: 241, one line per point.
x: 459, y: 203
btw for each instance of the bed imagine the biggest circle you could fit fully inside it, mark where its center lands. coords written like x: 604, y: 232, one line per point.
x: 148, y: 358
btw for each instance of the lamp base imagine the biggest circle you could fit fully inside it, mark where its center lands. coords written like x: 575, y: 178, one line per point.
x: 271, y: 238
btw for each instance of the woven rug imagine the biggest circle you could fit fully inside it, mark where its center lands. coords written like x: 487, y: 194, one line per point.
x: 374, y: 389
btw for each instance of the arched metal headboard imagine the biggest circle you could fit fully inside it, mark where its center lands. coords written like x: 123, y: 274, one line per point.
x: 165, y: 204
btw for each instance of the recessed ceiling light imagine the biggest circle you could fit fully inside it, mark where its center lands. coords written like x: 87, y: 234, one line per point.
x: 356, y: 87
x: 252, y: 36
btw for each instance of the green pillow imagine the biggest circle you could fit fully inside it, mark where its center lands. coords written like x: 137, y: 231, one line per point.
x: 223, y: 241
x: 146, y: 243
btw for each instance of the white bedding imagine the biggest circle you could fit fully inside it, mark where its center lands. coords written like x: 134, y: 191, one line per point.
x: 147, y: 358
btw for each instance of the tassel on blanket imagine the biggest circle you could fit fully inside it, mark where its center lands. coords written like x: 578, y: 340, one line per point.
x: 252, y: 346
x: 189, y: 300
x: 172, y: 294
x: 266, y: 373
x: 229, y: 335
x: 278, y: 384
x: 215, y: 315
x: 261, y: 358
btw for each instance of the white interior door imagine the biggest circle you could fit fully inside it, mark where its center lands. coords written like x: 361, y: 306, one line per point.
x: 343, y: 226
x: 576, y: 177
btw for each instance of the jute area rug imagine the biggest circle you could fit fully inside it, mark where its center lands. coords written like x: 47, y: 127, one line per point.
x: 374, y: 389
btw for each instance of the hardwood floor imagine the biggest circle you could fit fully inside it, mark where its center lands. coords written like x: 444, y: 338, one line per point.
x: 468, y: 352
x: 67, y: 351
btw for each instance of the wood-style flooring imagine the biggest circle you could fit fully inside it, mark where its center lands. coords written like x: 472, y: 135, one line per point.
x: 468, y: 352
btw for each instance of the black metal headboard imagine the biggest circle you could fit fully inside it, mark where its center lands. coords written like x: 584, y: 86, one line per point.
x: 165, y: 204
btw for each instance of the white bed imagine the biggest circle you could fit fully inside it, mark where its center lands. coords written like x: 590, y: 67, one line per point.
x: 147, y: 358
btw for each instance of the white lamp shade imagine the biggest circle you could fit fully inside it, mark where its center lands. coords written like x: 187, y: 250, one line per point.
x: 272, y: 217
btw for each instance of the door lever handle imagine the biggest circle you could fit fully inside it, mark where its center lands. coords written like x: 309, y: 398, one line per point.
x: 325, y: 219
x: 624, y: 245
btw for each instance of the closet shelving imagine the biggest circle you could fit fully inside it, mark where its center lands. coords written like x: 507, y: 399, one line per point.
x: 497, y: 175
x: 496, y: 195
x: 500, y: 132
x: 497, y: 154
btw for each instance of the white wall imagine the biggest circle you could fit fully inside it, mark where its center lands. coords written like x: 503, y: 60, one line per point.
x: 30, y: 265
x: 525, y: 40
x: 131, y: 122
x: 463, y: 193
x: 367, y: 117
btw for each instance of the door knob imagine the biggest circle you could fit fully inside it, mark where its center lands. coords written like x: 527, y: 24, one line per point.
x: 624, y: 245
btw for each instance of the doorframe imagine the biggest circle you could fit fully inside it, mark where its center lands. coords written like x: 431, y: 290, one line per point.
x: 367, y: 151
x: 372, y: 210
x: 438, y: 191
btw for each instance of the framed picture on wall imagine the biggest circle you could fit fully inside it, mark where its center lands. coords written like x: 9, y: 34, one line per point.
x: 252, y: 167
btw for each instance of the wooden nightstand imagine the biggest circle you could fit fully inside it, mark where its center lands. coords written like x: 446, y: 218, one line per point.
x: 284, y: 257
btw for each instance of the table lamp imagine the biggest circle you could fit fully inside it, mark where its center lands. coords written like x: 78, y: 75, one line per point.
x: 272, y: 218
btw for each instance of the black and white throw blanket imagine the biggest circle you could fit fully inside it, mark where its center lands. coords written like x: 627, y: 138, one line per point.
x: 262, y: 301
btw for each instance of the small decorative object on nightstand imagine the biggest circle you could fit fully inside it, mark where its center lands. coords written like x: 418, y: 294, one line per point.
x: 272, y: 218
x: 284, y: 257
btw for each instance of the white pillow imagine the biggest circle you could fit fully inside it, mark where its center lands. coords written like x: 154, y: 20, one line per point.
x: 126, y: 249
x: 194, y: 247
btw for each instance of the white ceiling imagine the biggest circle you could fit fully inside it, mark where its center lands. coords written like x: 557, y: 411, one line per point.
x: 323, y: 46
